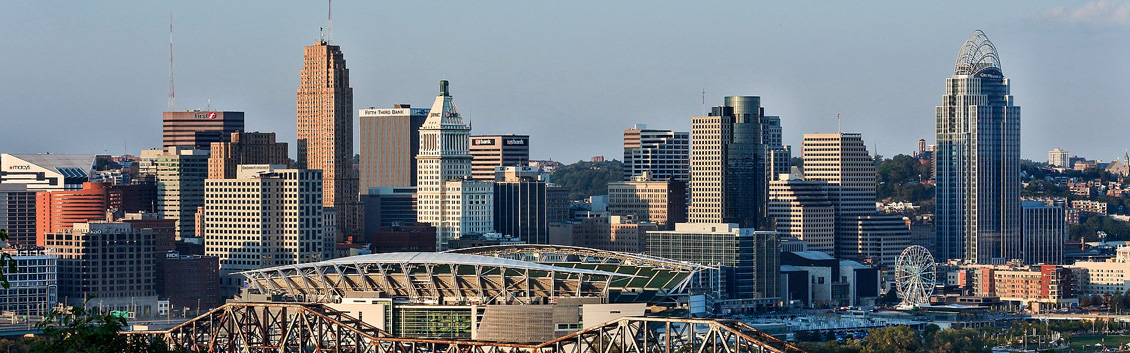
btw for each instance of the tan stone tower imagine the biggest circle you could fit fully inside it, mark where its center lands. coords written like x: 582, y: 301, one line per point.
x: 325, y: 131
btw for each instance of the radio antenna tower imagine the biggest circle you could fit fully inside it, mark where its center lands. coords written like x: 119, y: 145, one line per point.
x: 330, y: 20
x: 172, y: 85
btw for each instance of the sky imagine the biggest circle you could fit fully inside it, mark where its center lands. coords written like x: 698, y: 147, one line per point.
x: 90, y: 77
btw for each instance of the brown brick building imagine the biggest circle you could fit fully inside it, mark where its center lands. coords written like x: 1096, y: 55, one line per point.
x: 199, y: 129
x: 245, y: 148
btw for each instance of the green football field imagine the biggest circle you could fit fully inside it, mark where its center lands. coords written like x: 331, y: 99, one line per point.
x: 1087, y: 343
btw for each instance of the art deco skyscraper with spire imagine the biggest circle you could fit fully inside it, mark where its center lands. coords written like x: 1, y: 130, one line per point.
x: 445, y: 196
x: 978, y: 160
x: 325, y: 131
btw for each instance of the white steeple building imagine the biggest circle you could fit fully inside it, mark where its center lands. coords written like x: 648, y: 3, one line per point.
x: 446, y: 197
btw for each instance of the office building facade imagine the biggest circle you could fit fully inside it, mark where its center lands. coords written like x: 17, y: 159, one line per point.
x: 34, y: 290
x: 443, y: 166
x: 493, y: 151
x: 199, y: 129
x: 750, y: 259
x: 730, y: 164
x: 662, y: 202
x: 1043, y: 233
x: 664, y: 154
x: 191, y: 283
x: 325, y: 132
x: 267, y: 216
x: 803, y: 209
x: 180, y: 174
x: 878, y: 239
x: 977, y: 160
x: 520, y: 210
x: 841, y: 160
x: 123, y: 281
x: 58, y: 211
x: 18, y: 213
x: 245, y: 148
x: 390, y: 139
x: 388, y: 206
x: 1059, y: 158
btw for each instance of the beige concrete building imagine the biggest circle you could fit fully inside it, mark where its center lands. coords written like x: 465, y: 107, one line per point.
x: 665, y: 154
x: 325, y: 131
x: 803, y: 209
x: 1104, y: 277
x: 841, y: 160
x: 663, y: 203
x: 390, y: 139
x: 1059, y: 158
x: 467, y: 208
x: 245, y: 148
x: 709, y: 136
x: 492, y: 151
x: 266, y: 216
x: 180, y: 174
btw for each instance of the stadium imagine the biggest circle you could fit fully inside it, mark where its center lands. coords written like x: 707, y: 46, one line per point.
x: 513, y: 293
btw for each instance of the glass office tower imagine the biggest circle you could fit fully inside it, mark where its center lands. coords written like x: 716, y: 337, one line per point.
x: 978, y: 160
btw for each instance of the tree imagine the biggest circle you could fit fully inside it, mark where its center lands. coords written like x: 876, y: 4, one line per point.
x: 958, y: 341
x: 76, y: 329
x: 890, y: 297
x: 892, y: 339
x: 588, y: 178
x: 7, y: 264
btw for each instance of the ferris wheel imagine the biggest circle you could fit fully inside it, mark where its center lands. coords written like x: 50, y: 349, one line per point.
x: 915, y: 275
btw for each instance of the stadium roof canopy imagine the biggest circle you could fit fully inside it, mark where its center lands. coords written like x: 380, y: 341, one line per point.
x: 440, y: 278
x: 651, y: 279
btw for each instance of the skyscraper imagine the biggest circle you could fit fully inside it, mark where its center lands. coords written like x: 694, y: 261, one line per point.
x: 265, y: 216
x: 729, y: 174
x: 245, y: 148
x: 180, y: 173
x: 491, y: 151
x: 1045, y: 230
x: 198, y: 129
x: 390, y: 139
x: 977, y: 161
x: 325, y: 131
x: 445, y: 198
x: 803, y: 209
x: 841, y: 160
x: 664, y: 154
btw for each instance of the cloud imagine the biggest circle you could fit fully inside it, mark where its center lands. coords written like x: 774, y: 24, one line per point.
x: 1102, y: 13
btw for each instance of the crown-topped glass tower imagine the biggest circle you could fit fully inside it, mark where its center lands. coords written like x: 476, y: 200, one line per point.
x: 978, y: 160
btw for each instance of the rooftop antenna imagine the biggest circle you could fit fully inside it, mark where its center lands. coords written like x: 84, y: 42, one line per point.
x: 839, y: 128
x: 208, y: 108
x: 704, y: 101
x: 172, y: 86
x: 330, y: 21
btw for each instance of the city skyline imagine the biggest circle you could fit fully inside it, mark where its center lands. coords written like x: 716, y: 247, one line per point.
x: 655, y: 72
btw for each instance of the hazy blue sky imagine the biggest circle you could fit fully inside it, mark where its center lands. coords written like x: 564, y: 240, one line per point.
x: 85, y: 77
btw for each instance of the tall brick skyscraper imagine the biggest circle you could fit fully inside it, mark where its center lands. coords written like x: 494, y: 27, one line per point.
x: 325, y: 131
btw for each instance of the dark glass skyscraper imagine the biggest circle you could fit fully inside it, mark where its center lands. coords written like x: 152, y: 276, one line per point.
x: 731, y: 165
x: 978, y: 160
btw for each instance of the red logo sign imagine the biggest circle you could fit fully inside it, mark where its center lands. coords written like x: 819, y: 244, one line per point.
x: 212, y: 115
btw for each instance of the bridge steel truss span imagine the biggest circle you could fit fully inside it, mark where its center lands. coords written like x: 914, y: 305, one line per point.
x: 278, y: 327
